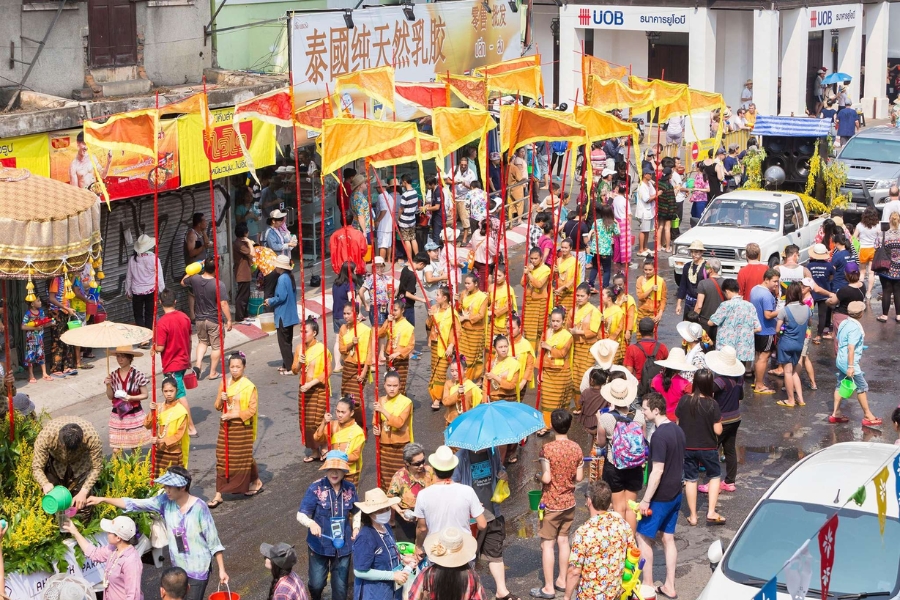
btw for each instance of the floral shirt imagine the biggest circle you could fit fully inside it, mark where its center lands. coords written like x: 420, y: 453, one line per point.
x: 565, y: 457
x: 476, y: 200
x: 602, y: 241
x: 322, y: 504
x: 382, y: 295
x: 534, y: 235
x: 598, y: 549
x: 737, y: 321
x: 359, y: 204
x: 406, y: 487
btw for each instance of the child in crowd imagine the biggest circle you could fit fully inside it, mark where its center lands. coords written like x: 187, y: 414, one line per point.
x: 33, y: 325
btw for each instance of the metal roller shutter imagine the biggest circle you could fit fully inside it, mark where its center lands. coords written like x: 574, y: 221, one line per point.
x: 136, y: 215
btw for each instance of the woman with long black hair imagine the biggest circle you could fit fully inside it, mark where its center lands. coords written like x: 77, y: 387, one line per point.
x: 449, y: 576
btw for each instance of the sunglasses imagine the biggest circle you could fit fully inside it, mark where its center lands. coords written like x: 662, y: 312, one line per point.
x: 418, y: 463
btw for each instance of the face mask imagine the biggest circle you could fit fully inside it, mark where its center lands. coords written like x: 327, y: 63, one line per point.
x: 383, y: 518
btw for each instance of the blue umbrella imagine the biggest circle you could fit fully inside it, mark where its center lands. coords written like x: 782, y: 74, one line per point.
x: 837, y: 78
x: 493, y: 424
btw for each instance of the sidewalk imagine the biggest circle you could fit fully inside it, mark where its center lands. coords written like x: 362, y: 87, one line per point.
x: 54, y: 396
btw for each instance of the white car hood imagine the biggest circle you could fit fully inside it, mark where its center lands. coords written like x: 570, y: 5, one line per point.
x: 731, y: 237
x: 720, y: 588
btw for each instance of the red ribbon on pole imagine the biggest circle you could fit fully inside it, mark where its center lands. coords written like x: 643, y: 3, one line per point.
x: 9, y: 394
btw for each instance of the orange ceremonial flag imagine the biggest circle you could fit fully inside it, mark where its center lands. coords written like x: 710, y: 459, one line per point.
x: 508, y: 65
x: 520, y: 82
x: 692, y: 101
x: 456, y: 127
x: 377, y: 83
x: 591, y: 65
x: 601, y: 125
x: 662, y: 93
x: 194, y: 104
x: 607, y: 94
x: 133, y: 131
x: 345, y: 140
x: 312, y: 115
x: 272, y: 107
x: 532, y: 125
x: 425, y: 96
x: 471, y: 90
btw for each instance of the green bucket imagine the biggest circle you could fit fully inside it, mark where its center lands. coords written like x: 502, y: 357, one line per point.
x: 74, y: 324
x: 256, y: 306
x: 406, y: 549
x: 534, y: 499
x: 847, y: 387
x: 56, y: 500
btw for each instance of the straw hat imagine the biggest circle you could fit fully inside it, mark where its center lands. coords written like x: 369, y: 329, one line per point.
x: 336, y: 459
x: 619, y: 392
x: 451, y: 547
x: 379, y: 260
x: 689, y: 332
x: 443, y: 459
x: 127, y: 350
x: 819, y: 252
x: 724, y: 362
x: 838, y: 221
x: 604, y: 351
x: 697, y: 245
x: 748, y: 82
x: 357, y: 180
x: 144, y: 243
x: 677, y: 361
x: 282, y: 261
x: 376, y: 500
x: 857, y: 307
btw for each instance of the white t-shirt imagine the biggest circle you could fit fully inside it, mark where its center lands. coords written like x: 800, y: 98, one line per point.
x: 678, y: 181
x: 450, y: 505
x: 386, y: 202
x: 675, y: 126
x: 620, y: 206
x: 462, y: 182
x: 746, y: 97
x: 645, y: 206
x: 891, y: 207
x: 867, y: 237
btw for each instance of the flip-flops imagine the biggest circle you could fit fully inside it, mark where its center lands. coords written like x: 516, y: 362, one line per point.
x: 719, y: 520
x: 661, y: 593
x: 841, y: 419
x: 872, y: 422
x: 785, y: 404
x: 539, y: 593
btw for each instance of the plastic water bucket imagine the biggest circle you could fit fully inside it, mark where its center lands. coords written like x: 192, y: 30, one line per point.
x: 56, y: 500
x: 648, y: 592
x: 267, y: 321
x: 406, y: 548
x: 99, y: 317
x: 226, y: 595
x: 534, y: 499
x: 190, y: 379
x: 847, y: 387
x: 74, y: 324
x: 256, y: 306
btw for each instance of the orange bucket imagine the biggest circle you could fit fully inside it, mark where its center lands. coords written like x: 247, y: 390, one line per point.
x: 226, y: 595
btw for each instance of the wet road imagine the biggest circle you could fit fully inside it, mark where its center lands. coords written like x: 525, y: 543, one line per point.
x: 770, y: 440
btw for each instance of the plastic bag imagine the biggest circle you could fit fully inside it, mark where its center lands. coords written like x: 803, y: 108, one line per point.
x: 501, y: 492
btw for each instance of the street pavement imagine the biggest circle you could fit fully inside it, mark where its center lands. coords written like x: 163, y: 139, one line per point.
x: 770, y: 440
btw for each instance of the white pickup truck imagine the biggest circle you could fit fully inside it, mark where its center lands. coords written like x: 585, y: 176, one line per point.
x: 730, y: 222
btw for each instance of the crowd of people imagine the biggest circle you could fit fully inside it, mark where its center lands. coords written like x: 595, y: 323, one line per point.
x: 568, y: 336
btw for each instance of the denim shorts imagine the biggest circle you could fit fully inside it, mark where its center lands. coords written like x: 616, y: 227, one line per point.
x: 858, y: 378
x: 708, y: 458
x: 664, y: 517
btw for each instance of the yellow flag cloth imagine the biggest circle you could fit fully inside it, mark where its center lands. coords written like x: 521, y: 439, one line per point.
x: 456, y: 127
x: 607, y: 94
x: 591, y: 65
x: 312, y: 115
x: 377, y: 83
x: 471, y: 90
x: 520, y: 82
x: 346, y: 140
x: 508, y: 65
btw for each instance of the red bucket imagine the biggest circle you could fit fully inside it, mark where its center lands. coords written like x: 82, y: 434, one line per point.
x: 226, y: 595
x: 99, y: 317
x: 190, y: 379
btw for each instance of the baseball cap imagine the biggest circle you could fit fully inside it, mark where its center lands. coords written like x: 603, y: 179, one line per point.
x: 121, y: 526
x: 281, y: 554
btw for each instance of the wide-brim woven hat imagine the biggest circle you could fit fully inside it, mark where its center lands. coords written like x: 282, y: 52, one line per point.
x: 451, y: 547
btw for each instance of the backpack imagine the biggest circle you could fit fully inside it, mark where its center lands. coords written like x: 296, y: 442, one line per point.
x: 628, y: 450
x: 649, y: 371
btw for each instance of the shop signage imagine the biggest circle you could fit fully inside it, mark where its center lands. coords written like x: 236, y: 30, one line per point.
x: 834, y: 17
x: 26, y: 152
x: 634, y: 18
x: 452, y: 37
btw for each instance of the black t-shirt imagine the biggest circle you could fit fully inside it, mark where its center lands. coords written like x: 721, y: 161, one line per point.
x: 846, y: 295
x: 204, y: 288
x: 571, y: 230
x: 667, y: 447
x: 698, y: 424
x: 407, y: 284
x: 712, y: 298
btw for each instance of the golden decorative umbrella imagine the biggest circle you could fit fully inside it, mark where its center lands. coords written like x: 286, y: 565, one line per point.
x: 47, y: 227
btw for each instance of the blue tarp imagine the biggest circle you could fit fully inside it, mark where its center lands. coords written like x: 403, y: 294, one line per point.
x: 791, y: 126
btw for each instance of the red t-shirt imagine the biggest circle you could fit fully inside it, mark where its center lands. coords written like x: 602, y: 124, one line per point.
x: 348, y: 244
x: 173, y: 334
x: 750, y: 276
x: 635, y: 359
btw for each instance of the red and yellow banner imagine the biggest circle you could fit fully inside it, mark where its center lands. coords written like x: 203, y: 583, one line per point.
x: 30, y: 152
x: 125, y: 173
x: 225, y: 150
x: 134, y: 131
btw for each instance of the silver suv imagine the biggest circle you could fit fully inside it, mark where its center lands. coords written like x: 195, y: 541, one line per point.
x: 872, y: 157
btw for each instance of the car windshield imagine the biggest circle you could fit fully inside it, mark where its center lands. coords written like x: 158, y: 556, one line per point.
x: 864, y: 561
x: 737, y: 212
x: 872, y: 150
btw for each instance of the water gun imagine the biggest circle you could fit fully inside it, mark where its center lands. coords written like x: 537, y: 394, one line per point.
x: 631, y: 575
x: 39, y: 322
x: 636, y: 508
x: 541, y: 508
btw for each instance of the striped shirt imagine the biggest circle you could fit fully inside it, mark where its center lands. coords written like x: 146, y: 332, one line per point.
x: 409, y: 209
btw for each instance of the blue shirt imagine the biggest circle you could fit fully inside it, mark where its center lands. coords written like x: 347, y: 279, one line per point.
x: 285, y: 301
x: 839, y: 262
x: 372, y: 550
x: 321, y: 503
x: 847, y: 119
x: 822, y: 272
x: 849, y: 332
x: 194, y: 531
x: 762, y: 300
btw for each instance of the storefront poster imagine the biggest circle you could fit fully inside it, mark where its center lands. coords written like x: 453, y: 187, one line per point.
x: 26, y: 152
x: 453, y: 37
x: 126, y: 174
x: 224, y: 152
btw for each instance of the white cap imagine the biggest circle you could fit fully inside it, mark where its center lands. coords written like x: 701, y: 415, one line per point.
x: 121, y: 526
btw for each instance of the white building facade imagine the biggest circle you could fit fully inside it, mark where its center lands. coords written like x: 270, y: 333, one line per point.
x: 717, y: 46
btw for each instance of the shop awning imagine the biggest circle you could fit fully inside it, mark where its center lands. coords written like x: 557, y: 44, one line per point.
x: 791, y: 126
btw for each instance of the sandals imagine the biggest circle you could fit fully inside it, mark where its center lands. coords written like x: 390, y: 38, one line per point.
x: 215, y: 504
x: 872, y: 422
x: 882, y: 319
x: 435, y: 408
x: 718, y: 520
x: 763, y: 391
x: 842, y: 419
x: 785, y: 404
x: 539, y: 593
x: 257, y: 491
x: 214, y: 377
x: 661, y: 593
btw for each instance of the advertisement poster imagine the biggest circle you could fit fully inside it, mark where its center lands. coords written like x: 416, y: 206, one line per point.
x: 452, y: 37
x: 225, y: 150
x: 26, y: 152
x: 125, y: 174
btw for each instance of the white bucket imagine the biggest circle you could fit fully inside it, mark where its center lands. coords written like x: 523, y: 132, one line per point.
x: 267, y: 321
x: 648, y: 592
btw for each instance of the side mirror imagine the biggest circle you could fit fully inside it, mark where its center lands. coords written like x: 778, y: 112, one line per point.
x: 715, y: 554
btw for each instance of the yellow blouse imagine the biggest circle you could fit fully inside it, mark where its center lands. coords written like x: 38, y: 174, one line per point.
x: 501, y: 301
x: 364, y: 333
x: 243, y: 389
x: 583, y: 312
x: 541, y: 274
x: 566, y: 268
x: 508, y: 367
x: 627, y: 304
x: 170, y: 421
x: 614, y: 317
x: 395, y: 406
x: 350, y: 439
x: 403, y: 334
x: 444, y: 322
x: 559, y: 340
x: 317, y: 356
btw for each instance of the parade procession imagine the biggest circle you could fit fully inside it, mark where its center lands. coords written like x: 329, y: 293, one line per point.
x: 384, y: 303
